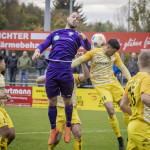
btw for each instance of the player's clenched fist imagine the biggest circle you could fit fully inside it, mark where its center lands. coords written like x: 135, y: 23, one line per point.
x: 82, y: 36
x: 36, y: 54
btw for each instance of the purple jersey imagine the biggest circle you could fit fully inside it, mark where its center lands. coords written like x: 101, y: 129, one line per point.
x: 65, y: 43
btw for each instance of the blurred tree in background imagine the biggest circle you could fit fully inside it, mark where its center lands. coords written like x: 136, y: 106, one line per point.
x: 140, y: 17
x: 14, y: 16
x: 29, y: 17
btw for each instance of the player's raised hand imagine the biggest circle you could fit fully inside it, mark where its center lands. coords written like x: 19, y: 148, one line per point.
x: 82, y: 36
x: 8, y: 98
x: 36, y: 54
x: 79, y: 54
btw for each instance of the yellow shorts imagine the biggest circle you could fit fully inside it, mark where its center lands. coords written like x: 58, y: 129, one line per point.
x: 139, y: 135
x: 61, y: 118
x: 4, y: 118
x: 110, y: 92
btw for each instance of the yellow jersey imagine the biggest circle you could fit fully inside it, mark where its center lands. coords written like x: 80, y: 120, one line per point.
x: 101, y: 71
x: 60, y: 102
x: 137, y: 85
x: 2, y: 89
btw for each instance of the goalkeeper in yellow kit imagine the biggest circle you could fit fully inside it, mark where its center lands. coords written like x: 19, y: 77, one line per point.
x: 137, y: 94
x: 104, y: 81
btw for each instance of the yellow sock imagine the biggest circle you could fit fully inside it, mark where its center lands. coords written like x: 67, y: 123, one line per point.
x: 126, y: 118
x: 78, y: 144
x: 114, y: 124
x: 3, y: 144
x: 51, y: 147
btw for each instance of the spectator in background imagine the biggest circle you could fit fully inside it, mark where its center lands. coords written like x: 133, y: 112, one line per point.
x: 12, y: 67
x: 23, y: 64
x: 117, y: 72
x: 3, y: 52
x: 41, y: 65
x: 132, y: 65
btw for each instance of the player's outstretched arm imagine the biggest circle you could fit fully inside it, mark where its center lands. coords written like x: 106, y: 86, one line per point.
x: 78, y: 61
x: 84, y: 41
x: 86, y: 74
x: 41, y: 79
x: 125, y: 71
x: 124, y: 104
x: 145, y: 98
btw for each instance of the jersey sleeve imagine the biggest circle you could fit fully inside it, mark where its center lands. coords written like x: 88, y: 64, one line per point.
x: 145, y: 86
x: 85, y: 44
x: 88, y: 56
x: 118, y: 62
x: 44, y: 45
x: 126, y: 90
x: 76, y: 78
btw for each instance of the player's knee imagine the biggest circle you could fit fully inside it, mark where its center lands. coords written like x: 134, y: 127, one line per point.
x: 111, y: 112
x: 77, y: 134
x: 52, y: 102
x: 5, y: 133
x: 67, y: 101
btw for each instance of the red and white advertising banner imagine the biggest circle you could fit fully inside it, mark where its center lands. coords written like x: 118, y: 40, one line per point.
x: 29, y: 40
x: 21, y: 96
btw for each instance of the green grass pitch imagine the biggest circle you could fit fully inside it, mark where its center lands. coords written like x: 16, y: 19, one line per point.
x: 32, y: 127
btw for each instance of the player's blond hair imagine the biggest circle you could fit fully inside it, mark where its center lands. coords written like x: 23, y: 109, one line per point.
x: 144, y: 59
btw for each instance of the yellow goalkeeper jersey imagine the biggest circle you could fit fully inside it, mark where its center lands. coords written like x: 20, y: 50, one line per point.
x: 2, y: 89
x: 60, y: 101
x: 101, y: 71
x: 137, y: 85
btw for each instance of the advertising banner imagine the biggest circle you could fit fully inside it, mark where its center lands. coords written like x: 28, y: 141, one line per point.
x: 87, y: 99
x: 39, y: 97
x: 29, y: 40
x: 21, y: 96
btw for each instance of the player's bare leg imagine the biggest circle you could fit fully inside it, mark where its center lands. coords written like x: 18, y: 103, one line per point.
x: 56, y: 141
x: 114, y: 123
x: 68, y: 112
x: 52, y: 113
x: 76, y: 130
x: 4, y: 133
x: 125, y: 116
x: 11, y: 136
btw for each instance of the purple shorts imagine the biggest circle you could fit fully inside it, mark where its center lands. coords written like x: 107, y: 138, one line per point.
x: 59, y: 81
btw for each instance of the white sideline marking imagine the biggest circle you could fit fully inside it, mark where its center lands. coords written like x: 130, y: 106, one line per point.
x: 97, y: 131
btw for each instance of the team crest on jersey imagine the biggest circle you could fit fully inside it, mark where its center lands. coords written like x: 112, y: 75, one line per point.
x: 56, y: 37
x: 70, y: 33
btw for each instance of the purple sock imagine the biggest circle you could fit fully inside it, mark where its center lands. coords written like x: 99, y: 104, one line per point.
x: 52, y: 113
x: 68, y: 112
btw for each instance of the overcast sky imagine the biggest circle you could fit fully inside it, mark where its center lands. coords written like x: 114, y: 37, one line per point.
x: 95, y: 10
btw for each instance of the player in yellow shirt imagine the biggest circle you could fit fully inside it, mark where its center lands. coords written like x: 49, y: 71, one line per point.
x: 7, y: 133
x: 104, y: 81
x: 61, y: 119
x: 137, y: 94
